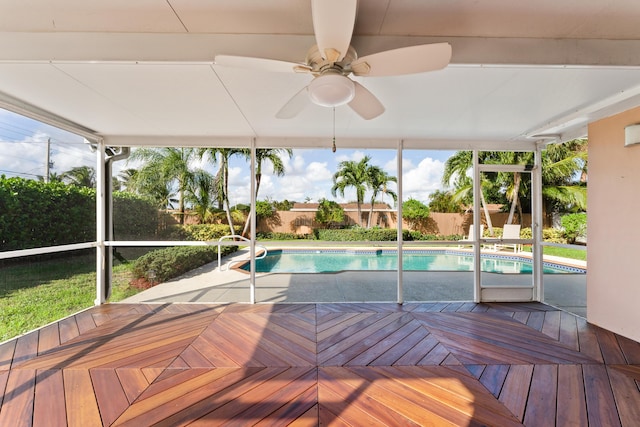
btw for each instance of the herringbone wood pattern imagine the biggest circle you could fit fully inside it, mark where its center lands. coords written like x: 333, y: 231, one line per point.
x: 317, y: 364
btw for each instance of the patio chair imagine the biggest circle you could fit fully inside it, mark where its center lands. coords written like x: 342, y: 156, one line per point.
x: 510, y: 231
x: 471, y: 237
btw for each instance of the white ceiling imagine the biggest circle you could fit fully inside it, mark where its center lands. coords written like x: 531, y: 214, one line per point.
x: 142, y: 72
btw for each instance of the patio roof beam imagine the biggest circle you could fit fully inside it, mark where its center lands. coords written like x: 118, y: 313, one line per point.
x: 180, y: 47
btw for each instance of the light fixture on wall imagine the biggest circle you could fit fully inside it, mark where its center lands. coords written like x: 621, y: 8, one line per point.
x: 632, y: 135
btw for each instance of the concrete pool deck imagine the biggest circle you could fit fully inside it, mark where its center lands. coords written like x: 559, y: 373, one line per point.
x: 207, y: 284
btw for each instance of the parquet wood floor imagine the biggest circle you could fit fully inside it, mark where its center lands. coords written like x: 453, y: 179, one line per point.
x: 458, y: 364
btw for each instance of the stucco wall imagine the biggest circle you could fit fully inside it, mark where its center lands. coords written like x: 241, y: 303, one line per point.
x: 445, y: 224
x: 613, y: 281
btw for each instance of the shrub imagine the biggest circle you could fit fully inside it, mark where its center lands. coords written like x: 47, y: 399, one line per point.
x: 361, y: 234
x: 418, y: 236
x: 134, y: 217
x: 171, y: 262
x: 284, y: 236
x: 36, y: 214
x: 205, y: 232
x: 551, y: 235
x: 329, y: 213
x: 574, y: 225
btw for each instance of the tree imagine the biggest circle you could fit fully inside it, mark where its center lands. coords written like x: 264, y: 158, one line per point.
x: 564, y: 170
x: 564, y: 176
x: 284, y: 205
x: 264, y: 209
x: 442, y: 201
x: 352, y: 174
x: 273, y: 156
x: 415, y: 212
x: 329, y: 213
x: 80, y: 176
x: 201, y: 195
x: 377, y: 180
x: 456, y: 167
x: 221, y: 156
x: 166, y: 165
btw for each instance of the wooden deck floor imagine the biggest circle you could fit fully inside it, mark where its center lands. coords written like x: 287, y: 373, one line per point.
x: 316, y: 364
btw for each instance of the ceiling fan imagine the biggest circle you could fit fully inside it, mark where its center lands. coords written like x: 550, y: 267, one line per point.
x: 333, y: 59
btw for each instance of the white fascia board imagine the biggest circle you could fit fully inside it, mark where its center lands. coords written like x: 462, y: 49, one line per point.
x: 288, y: 142
x: 18, y: 106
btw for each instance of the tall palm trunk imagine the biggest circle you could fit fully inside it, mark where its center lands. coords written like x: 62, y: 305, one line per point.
x: 225, y: 183
x: 248, y: 221
x: 370, y: 214
x: 515, y: 198
x: 486, y: 214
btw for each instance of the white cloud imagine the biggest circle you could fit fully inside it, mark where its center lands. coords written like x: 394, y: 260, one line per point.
x: 421, y: 181
x: 356, y: 155
x: 317, y: 171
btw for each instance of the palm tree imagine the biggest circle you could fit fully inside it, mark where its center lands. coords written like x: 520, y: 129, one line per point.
x: 127, y: 179
x: 564, y: 173
x: 352, y: 174
x: 201, y: 195
x: 167, y: 165
x: 273, y: 156
x: 221, y: 156
x: 457, y: 166
x: 562, y: 165
x: 377, y: 182
x: 81, y: 176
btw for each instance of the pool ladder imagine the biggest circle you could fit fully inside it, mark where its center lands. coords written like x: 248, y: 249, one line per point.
x: 236, y: 237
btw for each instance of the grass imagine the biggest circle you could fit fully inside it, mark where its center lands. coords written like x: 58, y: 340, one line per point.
x: 35, y: 294
x: 576, y: 254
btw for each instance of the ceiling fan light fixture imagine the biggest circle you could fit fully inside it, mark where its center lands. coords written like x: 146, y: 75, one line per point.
x: 331, y: 90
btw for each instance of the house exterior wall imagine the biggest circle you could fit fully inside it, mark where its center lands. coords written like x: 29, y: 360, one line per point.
x: 613, y: 286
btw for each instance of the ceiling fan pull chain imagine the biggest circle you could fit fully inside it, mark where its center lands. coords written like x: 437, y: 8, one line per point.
x: 334, y: 130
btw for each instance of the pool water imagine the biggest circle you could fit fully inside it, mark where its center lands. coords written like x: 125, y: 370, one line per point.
x: 329, y: 261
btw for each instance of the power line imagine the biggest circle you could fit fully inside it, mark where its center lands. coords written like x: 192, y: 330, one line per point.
x: 19, y: 173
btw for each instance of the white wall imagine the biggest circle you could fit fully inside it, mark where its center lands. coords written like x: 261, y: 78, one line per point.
x: 613, y: 223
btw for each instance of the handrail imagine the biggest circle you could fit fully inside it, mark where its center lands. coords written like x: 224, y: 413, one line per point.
x: 235, y: 237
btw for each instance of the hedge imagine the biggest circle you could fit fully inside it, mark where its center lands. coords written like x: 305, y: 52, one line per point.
x: 38, y: 214
x: 361, y: 234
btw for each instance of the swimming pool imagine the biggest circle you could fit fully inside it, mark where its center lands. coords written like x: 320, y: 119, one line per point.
x: 335, y: 260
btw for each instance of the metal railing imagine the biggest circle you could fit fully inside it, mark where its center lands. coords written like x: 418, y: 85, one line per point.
x: 236, y: 237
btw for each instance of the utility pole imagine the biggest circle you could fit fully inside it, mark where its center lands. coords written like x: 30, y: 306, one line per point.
x: 49, y: 163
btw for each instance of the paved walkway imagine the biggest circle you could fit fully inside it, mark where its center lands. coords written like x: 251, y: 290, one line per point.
x: 208, y: 284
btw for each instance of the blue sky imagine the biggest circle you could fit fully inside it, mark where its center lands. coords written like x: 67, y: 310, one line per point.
x: 23, y: 145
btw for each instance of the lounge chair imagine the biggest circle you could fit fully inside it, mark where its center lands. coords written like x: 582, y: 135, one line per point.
x: 510, y: 232
x: 471, y: 237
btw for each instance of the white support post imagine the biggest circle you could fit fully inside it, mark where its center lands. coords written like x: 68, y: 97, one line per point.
x: 400, y: 224
x: 100, y: 224
x: 252, y: 244
x: 477, y: 262
x: 536, y: 226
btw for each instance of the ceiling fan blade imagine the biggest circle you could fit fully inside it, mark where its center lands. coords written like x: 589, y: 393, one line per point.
x: 365, y: 103
x: 333, y: 22
x: 295, y: 105
x: 406, y: 60
x: 260, y: 64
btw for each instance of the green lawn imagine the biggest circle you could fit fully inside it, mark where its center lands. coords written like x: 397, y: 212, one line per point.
x: 562, y: 252
x: 35, y: 294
